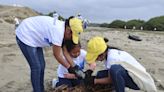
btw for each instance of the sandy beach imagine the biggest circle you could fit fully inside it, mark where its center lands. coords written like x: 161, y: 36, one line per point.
x: 14, y: 70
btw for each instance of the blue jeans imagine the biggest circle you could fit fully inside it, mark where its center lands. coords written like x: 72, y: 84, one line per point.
x: 35, y: 58
x: 121, y: 79
x: 68, y: 82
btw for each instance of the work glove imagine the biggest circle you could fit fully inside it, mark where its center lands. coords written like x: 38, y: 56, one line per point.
x: 89, y: 80
x: 77, y: 71
x: 88, y: 72
x: 72, y: 69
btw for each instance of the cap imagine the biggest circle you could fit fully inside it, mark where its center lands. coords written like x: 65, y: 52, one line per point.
x: 95, y: 47
x: 77, y: 28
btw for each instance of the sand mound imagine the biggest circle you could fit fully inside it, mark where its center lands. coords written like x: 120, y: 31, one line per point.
x: 7, y: 13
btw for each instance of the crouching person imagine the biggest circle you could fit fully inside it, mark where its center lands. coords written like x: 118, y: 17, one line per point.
x: 123, y: 69
x: 78, y: 56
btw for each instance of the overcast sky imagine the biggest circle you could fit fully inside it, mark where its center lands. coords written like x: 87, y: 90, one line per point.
x: 97, y: 10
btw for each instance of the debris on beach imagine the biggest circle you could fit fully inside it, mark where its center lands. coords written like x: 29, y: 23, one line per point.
x: 134, y: 37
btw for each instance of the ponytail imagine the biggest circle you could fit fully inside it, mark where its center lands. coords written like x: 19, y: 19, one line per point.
x: 110, y: 47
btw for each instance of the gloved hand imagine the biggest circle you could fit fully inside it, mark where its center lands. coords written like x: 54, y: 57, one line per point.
x: 88, y: 72
x: 89, y: 80
x: 76, y: 70
x: 72, y: 69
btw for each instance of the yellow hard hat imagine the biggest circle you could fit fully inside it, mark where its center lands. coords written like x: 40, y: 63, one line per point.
x: 77, y: 28
x: 95, y: 47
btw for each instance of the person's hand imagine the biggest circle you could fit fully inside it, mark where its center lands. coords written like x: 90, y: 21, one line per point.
x: 89, y: 80
x: 73, y: 69
x: 76, y: 70
x: 88, y: 72
x: 70, y: 76
x: 92, y: 66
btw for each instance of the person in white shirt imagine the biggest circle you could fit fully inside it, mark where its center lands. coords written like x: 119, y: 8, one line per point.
x: 55, y: 16
x: 80, y: 17
x: 123, y: 70
x: 64, y: 77
x: 16, y: 22
x: 85, y: 23
x: 37, y: 32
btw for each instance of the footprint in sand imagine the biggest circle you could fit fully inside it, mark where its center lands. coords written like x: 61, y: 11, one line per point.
x: 161, y: 70
x: 14, y: 86
x: 152, y: 71
x: 7, y: 86
x: 11, y: 45
x: 8, y: 57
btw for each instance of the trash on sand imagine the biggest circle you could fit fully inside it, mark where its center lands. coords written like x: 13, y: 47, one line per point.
x: 134, y: 37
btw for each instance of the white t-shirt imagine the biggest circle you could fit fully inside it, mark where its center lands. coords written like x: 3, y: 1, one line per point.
x: 55, y: 16
x: 80, y: 17
x: 16, y: 21
x: 119, y: 55
x: 80, y: 61
x: 40, y: 31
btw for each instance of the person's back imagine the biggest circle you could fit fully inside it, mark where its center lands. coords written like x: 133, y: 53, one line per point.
x: 120, y: 55
x: 39, y: 31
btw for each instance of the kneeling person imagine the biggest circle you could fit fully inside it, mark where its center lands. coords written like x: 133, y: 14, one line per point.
x: 78, y: 55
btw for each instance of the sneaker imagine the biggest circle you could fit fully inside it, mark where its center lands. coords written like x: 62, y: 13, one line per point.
x: 54, y: 82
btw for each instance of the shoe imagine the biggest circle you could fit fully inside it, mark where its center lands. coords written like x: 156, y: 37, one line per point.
x: 54, y: 82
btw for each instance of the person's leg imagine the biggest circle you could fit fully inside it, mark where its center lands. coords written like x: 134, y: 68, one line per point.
x: 64, y: 81
x: 130, y: 83
x: 102, y: 74
x: 42, y: 63
x: 117, y: 78
x: 31, y: 56
x: 120, y: 78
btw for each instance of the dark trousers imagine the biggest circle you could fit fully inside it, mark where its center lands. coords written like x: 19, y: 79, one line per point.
x: 121, y: 79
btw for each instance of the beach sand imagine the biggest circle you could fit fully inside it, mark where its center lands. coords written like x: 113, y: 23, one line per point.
x: 15, y: 72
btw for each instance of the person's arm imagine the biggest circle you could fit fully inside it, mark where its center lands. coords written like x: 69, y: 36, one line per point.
x: 106, y: 80
x: 57, y: 52
x: 92, y: 66
x: 70, y: 76
x: 68, y: 57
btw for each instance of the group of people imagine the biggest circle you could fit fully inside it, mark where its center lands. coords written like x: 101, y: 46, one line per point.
x: 121, y: 69
x: 85, y: 22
